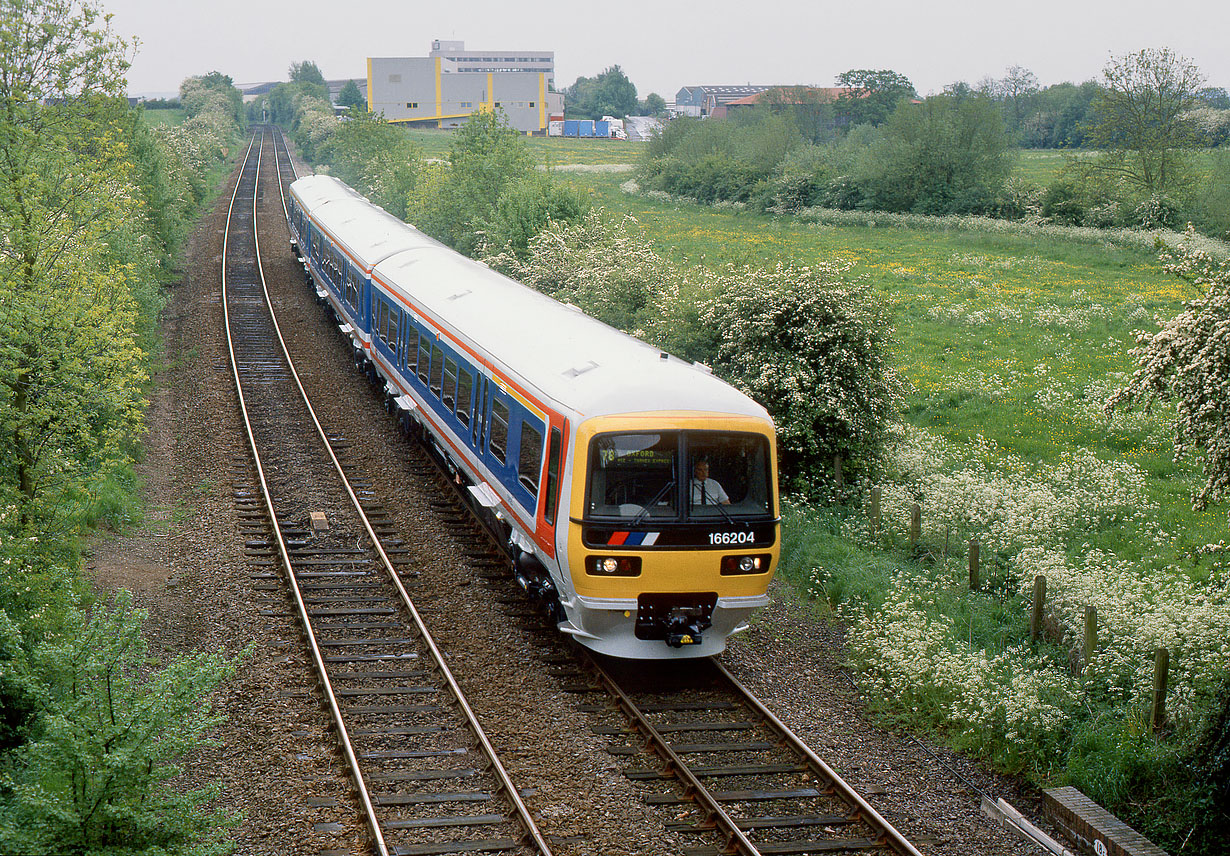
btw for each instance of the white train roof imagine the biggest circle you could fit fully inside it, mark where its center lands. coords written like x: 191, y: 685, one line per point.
x: 316, y: 190
x: 574, y: 360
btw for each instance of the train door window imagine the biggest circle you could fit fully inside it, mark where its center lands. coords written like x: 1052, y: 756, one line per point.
x: 465, y: 392
x: 437, y: 368
x: 553, y: 475
x: 424, y: 358
x: 529, y: 461
x: 391, y: 333
x: 410, y: 349
x: 499, y: 431
x: 449, y: 395
x: 382, y: 312
x: 481, y: 411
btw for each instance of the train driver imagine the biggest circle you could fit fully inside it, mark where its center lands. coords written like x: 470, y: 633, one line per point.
x: 706, y: 491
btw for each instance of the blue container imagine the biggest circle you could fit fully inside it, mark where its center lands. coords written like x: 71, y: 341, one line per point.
x: 572, y: 128
x: 602, y: 129
x: 587, y: 127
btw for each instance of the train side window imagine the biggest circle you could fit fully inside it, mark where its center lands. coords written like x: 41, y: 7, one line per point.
x: 465, y: 390
x: 449, y: 396
x: 499, y: 431
x: 437, y: 368
x: 410, y: 354
x: 529, y: 461
x: 553, y: 455
x: 424, y: 358
x: 393, y: 321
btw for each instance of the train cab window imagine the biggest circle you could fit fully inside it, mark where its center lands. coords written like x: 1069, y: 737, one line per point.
x: 529, y: 461
x: 499, y: 431
x: 553, y: 456
x: 437, y: 369
x: 634, y: 475
x: 465, y: 392
x: 728, y: 475
x: 424, y: 362
x: 449, y: 396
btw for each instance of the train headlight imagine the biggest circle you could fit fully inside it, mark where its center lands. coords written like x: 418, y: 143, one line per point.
x: 754, y: 564
x: 613, y: 566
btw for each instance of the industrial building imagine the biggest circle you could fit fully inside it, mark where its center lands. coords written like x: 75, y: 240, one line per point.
x: 444, y: 89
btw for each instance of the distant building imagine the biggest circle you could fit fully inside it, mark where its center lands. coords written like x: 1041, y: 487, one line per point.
x: 782, y: 96
x: 444, y: 89
x: 703, y: 100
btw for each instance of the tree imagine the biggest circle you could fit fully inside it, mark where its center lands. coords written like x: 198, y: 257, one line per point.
x: 1187, y: 362
x: 653, y: 105
x: 70, y: 368
x: 111, y: 735
x: 1215, y: 97
x: 306, y: 72
x: 611, y: 93
x: 874, y: 95
x: 485, y: 157
x: 375, y: 157
x: 948, y: 155
x: 1016, y: 87
x: 351, y: 97
x: 1138, y: 119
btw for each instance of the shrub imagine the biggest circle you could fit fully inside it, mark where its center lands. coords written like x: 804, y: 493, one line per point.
x: 812, y: 346
x: 108, y: 740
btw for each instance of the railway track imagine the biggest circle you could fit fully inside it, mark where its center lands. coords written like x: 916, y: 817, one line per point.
x: 425, y: 776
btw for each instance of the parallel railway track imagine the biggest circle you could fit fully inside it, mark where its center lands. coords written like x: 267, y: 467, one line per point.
x: 427, y: 779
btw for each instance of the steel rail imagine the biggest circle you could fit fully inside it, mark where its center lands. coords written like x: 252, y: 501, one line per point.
x: 531, y: 831
x: 888, y: 833
x: 343, y: 736
x: 277, y: 135
x: 724, y: 824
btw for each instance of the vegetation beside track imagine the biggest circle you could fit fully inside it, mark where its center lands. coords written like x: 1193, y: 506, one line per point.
x: 96, y: 202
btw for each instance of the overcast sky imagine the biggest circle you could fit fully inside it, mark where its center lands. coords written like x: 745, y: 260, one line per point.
x: 663, y: 45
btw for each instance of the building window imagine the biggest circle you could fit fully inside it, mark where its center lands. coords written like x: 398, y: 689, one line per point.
x: 411, y: 105
x: 532, y: 104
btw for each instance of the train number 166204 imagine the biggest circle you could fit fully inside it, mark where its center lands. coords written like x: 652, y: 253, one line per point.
x: 731, y: 537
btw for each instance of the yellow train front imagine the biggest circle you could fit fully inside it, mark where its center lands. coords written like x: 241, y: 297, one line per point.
x: 673, y: 531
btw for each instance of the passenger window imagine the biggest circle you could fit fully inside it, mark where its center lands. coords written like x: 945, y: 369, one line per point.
x: 499, y: 431
x: 391, y: 336
x: 529, y: 464
x: 450, y: 384
x: 424, y: 359
x: 465, y: 389
x: 437, y: 368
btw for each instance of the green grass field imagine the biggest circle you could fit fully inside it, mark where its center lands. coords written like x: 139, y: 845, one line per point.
x: 987, y: 326
x: 548, y: 151
x: 174, y: 116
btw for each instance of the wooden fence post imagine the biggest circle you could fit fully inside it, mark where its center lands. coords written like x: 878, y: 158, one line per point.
x: 1035, y: 619
x: 1091, y: 635
x: 915, y: 524
x: 875, y: 511
x: 974, y: 549
x: 837, y: 472
x: 1161, y: 675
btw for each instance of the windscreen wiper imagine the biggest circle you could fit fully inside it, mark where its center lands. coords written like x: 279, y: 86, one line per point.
x: 645, y: 510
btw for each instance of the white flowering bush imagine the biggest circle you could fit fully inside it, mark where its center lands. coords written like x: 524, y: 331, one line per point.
x: 983, y: 491
x: 1187, y: 362
x: 1012, y: 703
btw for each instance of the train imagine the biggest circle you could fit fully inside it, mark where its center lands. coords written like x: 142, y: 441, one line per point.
x: 635, y: 492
